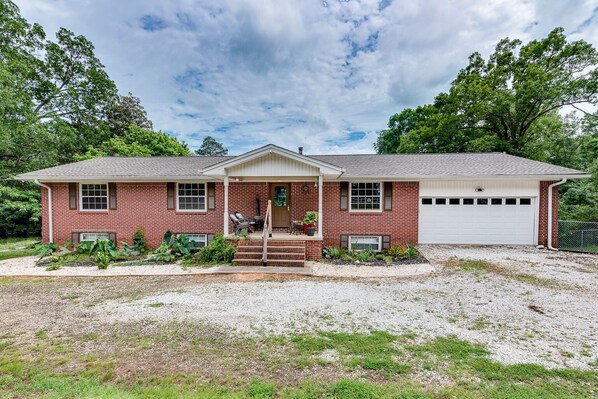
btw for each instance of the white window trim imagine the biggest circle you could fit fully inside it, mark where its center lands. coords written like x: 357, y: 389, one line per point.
x: 366, y: 210
x: 81, y: 197
x: 94, y: 233
x: 205, y: 237
x: 205, y: 197
x: 366, y: 236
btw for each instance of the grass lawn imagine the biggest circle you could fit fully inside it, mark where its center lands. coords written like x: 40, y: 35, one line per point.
x: 17, y: 247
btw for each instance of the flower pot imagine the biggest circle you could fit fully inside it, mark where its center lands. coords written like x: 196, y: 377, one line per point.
x: 311, y: 231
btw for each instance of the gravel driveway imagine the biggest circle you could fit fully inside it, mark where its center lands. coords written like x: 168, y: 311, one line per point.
x: 533, y: 305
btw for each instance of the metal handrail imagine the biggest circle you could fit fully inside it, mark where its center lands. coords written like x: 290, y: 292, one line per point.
x: 266, y: 233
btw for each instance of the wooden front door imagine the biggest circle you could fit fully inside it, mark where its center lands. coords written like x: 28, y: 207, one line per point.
x: 280, y: 194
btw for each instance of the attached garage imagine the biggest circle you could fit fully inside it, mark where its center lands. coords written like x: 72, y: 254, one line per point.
x: 482, y: 212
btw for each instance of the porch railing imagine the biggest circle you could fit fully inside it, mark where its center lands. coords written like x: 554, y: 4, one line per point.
x: 266, y: 233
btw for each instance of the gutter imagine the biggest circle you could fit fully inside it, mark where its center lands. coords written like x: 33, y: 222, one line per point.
x: 549, y: 239
x: 50, y: 226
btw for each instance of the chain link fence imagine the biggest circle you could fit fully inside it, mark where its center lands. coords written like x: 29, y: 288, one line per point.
x: 578, y: 236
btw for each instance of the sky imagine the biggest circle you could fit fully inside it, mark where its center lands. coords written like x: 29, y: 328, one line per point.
x: 325, y: 75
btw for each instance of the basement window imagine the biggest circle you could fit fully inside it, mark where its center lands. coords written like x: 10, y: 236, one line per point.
x: 360, y: 243
x: 92, y: 237
x: 196, y: 240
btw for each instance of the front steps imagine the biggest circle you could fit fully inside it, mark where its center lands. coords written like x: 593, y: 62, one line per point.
x: 281, y: 253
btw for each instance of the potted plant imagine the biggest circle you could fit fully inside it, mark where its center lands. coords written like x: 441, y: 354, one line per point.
x: 309, y: 223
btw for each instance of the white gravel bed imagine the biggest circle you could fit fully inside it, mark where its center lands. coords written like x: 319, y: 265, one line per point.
x: 485, y: 308
x: 25, y: 266
x: 331, y: 270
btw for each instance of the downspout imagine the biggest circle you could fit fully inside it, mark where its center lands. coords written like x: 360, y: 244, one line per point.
x: 549, y: 239
x: 50, y: 227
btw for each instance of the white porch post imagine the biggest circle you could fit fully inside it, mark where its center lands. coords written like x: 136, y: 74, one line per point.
x: 225, y: 205
x: 320, y: 193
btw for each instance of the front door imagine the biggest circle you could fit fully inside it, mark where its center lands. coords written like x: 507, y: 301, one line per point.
x: 280, y: 194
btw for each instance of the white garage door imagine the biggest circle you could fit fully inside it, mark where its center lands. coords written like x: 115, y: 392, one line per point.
x: 496, y: 220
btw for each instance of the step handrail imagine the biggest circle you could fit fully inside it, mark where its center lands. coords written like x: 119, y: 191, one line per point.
x: 266, y: 232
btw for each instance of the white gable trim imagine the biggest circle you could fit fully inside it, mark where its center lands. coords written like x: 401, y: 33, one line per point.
x: 221, y: 169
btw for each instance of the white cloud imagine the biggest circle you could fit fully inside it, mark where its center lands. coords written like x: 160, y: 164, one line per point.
x: 294, y: 73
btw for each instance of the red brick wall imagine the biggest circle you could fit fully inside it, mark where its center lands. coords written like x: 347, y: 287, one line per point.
x: 543, y: 220
x: 401, y: 223
x: 313, y: 249
x: 139, y: 205
x: 142, y: 205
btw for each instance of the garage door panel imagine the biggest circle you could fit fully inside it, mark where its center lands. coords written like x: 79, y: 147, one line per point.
x: 476, y: 224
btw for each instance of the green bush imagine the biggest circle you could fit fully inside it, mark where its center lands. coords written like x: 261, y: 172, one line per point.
x: 21, y: 212
x: 164, y: 253
x: 139, y: 241
x: 182, y: 247
x: 335, y: 252
x: 217, y: 251
x: 367, y: 255
x: 45, y: 249
x: 410, y: 252
x: 104, y: 253
x: 396, y: 251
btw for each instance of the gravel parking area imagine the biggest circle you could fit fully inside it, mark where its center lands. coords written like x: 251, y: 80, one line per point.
x: 520, y: 319
x: 530, y: 306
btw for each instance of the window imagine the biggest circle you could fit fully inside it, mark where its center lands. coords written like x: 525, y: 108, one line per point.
x: 482, y: 201
x: 510, y: 201
x: 94, y: 197
x: 426, y: 201
x: 440, y: 201
x: 454, y: 201
x: 360, y: 243
x: 196, y: 240
x: 93, y: 236
x: 496, y: 201
x: 366, y: 197
x: 525, y: 201
x: 467, y: 201
x: 191, y: 197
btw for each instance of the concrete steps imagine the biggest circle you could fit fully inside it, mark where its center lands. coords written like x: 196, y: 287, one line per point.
x: 281, y: 253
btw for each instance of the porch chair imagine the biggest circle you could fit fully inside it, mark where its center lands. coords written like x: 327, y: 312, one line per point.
x: 240, y: 223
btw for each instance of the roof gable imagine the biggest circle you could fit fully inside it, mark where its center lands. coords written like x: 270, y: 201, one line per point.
x: 271, y: 160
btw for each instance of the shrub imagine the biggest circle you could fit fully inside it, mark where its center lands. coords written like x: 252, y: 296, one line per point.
x: 217, y: 251
x: 164, y: 253
x: 45, y: 249
x: 139, y: 241
x: 367, y: 255
x: 104, y: 253
x: 182, y: 246
x: 84, y: 247
x: 396, y: 251
x: 410, y: 252
x: 335, y: 252
x: 311, y: 217
x: 167, y: 237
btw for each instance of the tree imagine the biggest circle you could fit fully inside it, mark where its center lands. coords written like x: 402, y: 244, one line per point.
x: 494, y: 105
x: 127, y: 111
x: 210, y: 147
x: 139, y: 142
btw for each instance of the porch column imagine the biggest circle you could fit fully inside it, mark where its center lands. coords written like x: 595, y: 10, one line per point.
x: 320, y: 193
x: 225, y: 205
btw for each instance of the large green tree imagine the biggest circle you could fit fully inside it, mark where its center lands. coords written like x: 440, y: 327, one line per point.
x: 125, y: 112
x: 494, y: 104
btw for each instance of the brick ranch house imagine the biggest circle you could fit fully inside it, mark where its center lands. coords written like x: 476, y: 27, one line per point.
x: 363, y: 201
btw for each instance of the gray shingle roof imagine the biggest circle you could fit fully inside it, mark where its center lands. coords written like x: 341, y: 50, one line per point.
x: 392, y: 166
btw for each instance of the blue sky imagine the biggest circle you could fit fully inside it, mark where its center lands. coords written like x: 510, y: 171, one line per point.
x: 325, y: 75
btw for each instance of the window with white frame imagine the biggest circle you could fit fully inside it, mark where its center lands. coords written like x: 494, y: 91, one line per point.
x: 196, y: 240
x: 191, y: 197
x: 94, y: 197
x: 360, y: 243
x: 93, y: 236
x: 366, y: 196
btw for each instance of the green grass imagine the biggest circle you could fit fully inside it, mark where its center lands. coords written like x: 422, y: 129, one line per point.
x: 17, y: 247
x: 369, y: 366
x: 474, y: 265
